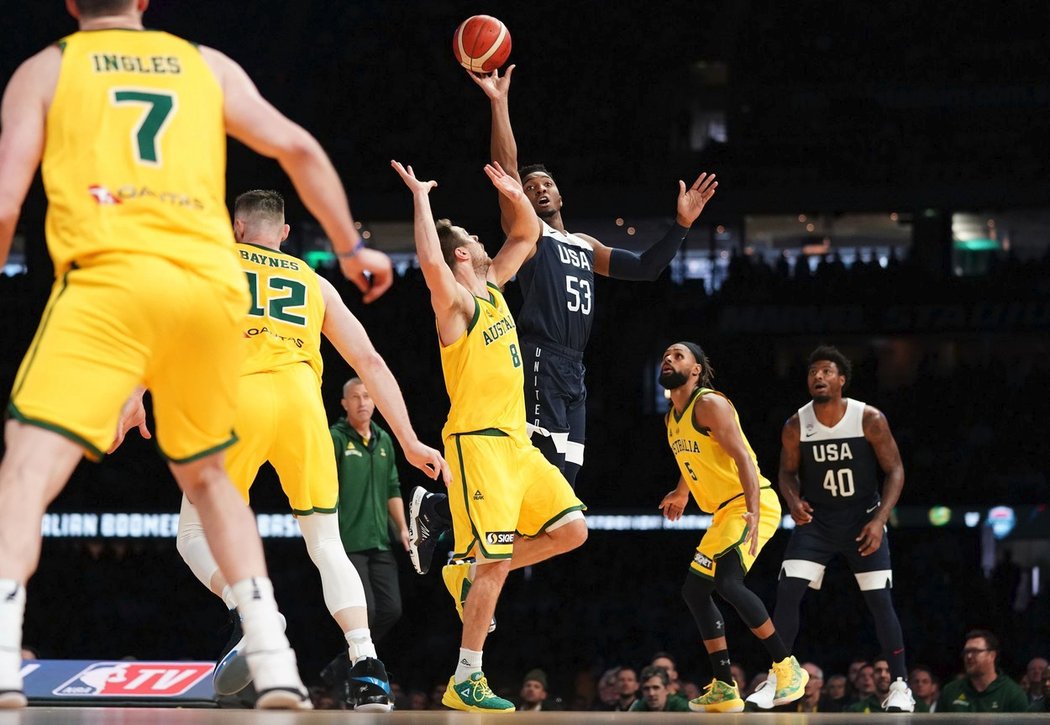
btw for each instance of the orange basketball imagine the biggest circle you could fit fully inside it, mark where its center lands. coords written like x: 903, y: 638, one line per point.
x: 481, y: 44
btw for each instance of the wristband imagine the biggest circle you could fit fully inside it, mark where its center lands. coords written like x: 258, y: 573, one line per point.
x: 353, y: 252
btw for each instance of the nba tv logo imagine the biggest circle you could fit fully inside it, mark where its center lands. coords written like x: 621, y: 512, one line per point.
x: 135, y: 679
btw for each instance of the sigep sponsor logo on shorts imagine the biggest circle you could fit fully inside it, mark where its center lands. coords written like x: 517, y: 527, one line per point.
x: 500, y: 537
x: 134, y: 679
x: 702, y: 561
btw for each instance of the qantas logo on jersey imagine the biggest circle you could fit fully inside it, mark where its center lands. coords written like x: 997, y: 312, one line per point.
x: 102, y: 195
x: 573, y: 257
x: 684, y: 445
x: 497, y: 330
x: 832, y: 452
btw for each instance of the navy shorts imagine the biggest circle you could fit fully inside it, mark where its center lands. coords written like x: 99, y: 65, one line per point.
x: 555, y: 393
x: 832, y: 533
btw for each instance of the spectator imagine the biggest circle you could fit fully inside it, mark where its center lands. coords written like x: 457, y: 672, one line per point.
x: 667, y: 661
x: 656, y: 696
x: 369, y: 497
x: 876, y: 701
x: 626, y: 689
x: 835, y: 694
x: 1043, y: 703
x: 534, y: 692
x: 738, y: 674
x: 924, y: 686
x: 608, y: 690
x: 1033, y: 684
x: 984, y: 688
x: 811, y: 700
x: 864, y: 683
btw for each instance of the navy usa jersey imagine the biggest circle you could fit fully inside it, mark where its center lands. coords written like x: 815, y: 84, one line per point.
x: 837, y: 467
x: 557, y: 287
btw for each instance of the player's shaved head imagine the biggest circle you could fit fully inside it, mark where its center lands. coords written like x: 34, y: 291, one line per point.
x: 259, y: 205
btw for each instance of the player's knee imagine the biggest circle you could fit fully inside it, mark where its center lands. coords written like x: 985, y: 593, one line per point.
x: 572, y: 535
x: 200, y: 475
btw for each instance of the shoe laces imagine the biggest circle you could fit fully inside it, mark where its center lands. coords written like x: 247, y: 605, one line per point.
x: 481, y: 687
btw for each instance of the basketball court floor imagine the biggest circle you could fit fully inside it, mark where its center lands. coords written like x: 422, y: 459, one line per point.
x: 173, y: 716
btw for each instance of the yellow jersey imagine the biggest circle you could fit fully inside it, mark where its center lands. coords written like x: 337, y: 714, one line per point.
x: 710, y: 472
x: 284, y: 322
x: 135, y: 157
x: 483, y: 373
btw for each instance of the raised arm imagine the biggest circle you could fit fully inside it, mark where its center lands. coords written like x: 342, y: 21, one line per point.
x: 503, y: 147
x: 252, y: 120
x: 23, y: 115
x: 877, y: 432
x: 716, y: 413
x: 348, y: 337
x: 650, y: 263
x: 787, y: 475
x: 522, y: 224
x: 452, y: 302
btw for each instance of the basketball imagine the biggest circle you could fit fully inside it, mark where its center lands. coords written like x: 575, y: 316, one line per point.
x: 481, y: 44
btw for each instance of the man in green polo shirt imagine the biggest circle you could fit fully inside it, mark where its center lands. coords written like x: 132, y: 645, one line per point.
x: 369, y: 500
x: 985, y: 688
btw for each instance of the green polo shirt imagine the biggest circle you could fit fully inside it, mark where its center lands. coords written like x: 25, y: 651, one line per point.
x: 367, y: 480
x: 1002, y: 695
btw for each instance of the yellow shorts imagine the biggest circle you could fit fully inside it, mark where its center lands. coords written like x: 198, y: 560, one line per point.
x: 281, y: 419
x: 117, y: 321
x: 728, y: 530
x: 501, y: 487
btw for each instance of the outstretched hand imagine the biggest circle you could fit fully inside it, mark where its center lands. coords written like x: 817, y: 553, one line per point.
x: 691, y: 201
x: 495, y: 87
x: 370, y: 270
x: 409, y: 177
x: 504, y: 182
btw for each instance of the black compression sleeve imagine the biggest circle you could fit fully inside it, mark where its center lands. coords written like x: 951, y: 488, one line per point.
x: 647, y: 265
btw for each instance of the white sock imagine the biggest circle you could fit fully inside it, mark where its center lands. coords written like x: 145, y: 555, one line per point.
x: 360, y: 644
x: 260, y: 620
x: 12, y: 612
x: 469, y: 663
x: 227, y: 596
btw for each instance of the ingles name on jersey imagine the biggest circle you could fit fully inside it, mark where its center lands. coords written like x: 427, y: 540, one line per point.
x: 154, y: 64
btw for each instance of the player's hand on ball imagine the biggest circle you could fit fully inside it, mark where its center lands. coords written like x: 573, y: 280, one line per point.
x: 495, y: 86
x: 691, y: 201
x: 409, y: 177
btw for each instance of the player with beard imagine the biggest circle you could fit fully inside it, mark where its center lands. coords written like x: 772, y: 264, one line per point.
x: 720, y: 470
x: 832, y: 448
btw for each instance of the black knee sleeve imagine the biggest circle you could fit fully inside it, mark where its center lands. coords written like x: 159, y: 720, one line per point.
x: 729, y: 583
x: 697, y: 595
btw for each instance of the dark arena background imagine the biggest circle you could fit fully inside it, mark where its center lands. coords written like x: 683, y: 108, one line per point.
x: 883, y: 187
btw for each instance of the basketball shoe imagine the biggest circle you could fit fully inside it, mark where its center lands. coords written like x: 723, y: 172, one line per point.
x: 474, y: 695
x: 786, y: 683
x: 275, y: 675
x: 370, y: 686
x: 718, y: 697
x: 11, y: 693
x: 231, y: 674
x: 457, y: 581
x: 424, y: 529
x: 899, y: 698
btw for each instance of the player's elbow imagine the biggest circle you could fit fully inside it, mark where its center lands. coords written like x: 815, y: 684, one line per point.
x: 296, y: 146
